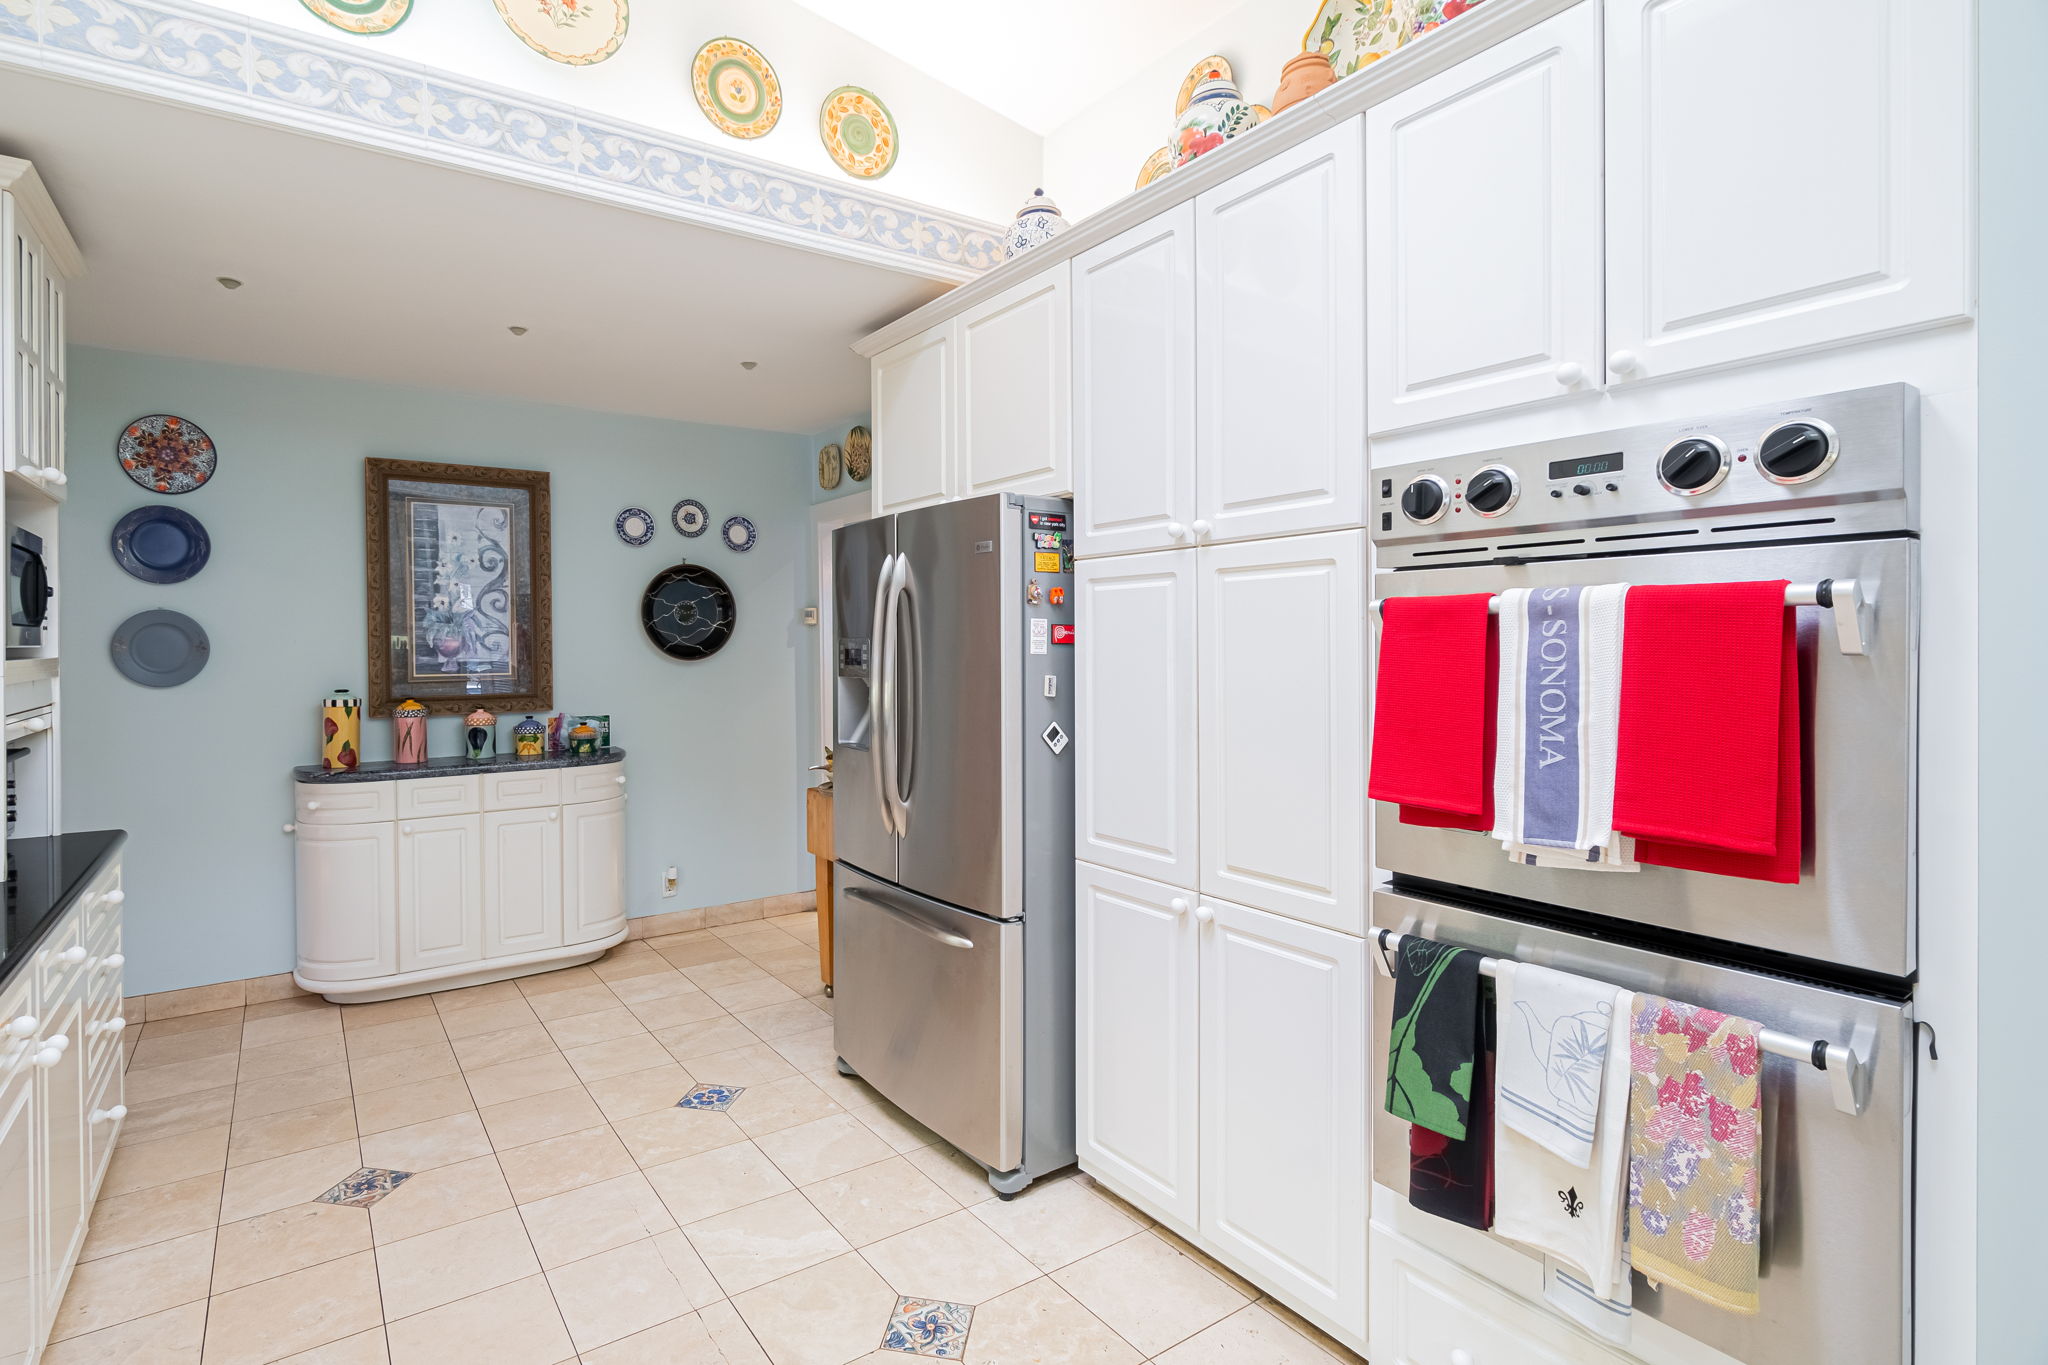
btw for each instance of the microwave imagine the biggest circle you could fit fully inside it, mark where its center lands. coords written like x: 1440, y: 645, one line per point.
x: 29, y: 592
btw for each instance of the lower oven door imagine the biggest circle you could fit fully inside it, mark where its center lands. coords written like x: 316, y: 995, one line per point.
x: 1836, y: 1246
x: 1854, y: 903
x: 928, y: 1007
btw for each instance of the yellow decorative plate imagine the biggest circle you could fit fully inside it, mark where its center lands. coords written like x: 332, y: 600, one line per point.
x: 361, y: 16
x: 736, y: 88
x: 578, y: 32
x: 858, y: 132
x: 1156, y: 165
x: 1198, y: 73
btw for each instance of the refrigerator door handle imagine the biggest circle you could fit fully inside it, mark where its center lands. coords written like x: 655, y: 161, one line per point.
x: 882, y: 695
x: 906, y: 694
x: 929, y: 930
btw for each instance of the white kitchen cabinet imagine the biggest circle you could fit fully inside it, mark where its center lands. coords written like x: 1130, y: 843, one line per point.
x: 1137, y: 994
x: 916, y: 423
x: 1134, y: 388
x: 1483, y: 230
x: 1281, y: 678
x: 593, y: 854
x: 1284, y: 1106
x: 1783, y: 177
x: 20, y: 1253
x: 347, y: 885
x: 523, y: 879
x: 1280, y: 344
x: 1016, y: 377
x: 61, y: 1099
x: 40, y: 257
x: 440, y: 892
x: 1136, y: 778
x: 1427, y: 1311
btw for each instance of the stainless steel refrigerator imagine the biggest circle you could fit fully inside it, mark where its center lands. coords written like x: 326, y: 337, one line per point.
x: 953, y: 824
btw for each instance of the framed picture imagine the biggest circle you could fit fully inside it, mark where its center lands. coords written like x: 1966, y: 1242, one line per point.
x: 459, y: 576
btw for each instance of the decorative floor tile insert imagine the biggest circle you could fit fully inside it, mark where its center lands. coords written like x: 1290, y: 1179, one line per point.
x: 928, y: 1327
x: 365, y: 1187
x: 711, y: 1097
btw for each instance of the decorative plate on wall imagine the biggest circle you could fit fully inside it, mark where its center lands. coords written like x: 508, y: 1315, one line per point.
x: 736, y: 88
x: 688, y: 612
x: 1156, y: 165
x: 860, y: 454
x: 361, y: 16
x: 160, y: 544
x: 160, y: 648
x: 830, y: 462
x: 578, y: 32
x: 167, y: 454
x: 690, y: 517
x: 738, y: 533
x: 859, y: 132
x: 635, y: 526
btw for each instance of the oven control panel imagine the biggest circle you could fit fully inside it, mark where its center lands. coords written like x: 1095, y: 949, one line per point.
x: 1840, y: 463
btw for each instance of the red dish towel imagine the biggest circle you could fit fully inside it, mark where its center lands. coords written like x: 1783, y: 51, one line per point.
x: 1432, y: 746
x: 1708, y: 768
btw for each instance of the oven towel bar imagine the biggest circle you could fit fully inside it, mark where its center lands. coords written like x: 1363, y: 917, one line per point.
x: 1846, y: 1071
x: 1844, y: 597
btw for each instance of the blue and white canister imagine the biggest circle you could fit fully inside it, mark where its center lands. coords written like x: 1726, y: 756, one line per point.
x: 1037, y: 223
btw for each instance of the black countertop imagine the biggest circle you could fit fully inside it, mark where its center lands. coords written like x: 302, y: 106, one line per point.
x: 44, y: 877
x: 452, y: 767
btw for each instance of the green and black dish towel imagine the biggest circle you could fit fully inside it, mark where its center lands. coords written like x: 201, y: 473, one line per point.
x: 1439, y: 1079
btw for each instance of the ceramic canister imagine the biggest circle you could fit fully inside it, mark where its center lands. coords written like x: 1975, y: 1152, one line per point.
x: 1215, y: 114
x: 480, y: 734
x: 1037, y: 223
x: 529, y: 739
x: 582, y: 738
x: 409, y: 732
x: 1304, y: 75
x: 341, y: 730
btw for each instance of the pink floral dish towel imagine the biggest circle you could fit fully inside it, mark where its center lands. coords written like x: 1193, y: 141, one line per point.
x: 1695, y: 1150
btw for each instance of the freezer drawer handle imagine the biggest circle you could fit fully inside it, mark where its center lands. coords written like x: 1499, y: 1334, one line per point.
x: 931, y: 931
x: 1848, y: 1075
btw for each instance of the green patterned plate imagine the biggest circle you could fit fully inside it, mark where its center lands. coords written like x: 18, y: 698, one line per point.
x: 361, y: 16
x: 858, y: 132
x: 736, y: 88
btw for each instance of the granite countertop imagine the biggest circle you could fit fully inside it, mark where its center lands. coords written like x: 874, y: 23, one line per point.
x: 44, y: 877
x: 451, y: 767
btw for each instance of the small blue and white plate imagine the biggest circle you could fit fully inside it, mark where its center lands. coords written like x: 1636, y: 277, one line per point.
x: 738, y: 533
x: 635, y: 526
x: 690, y: 517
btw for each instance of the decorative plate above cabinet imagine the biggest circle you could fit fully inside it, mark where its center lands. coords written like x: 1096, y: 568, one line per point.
x: 577, y: 32
x: 736, y: 88
x: 859, y: 132
x: 361, y: 16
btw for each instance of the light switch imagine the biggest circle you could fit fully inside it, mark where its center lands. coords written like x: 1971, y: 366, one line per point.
x: 1052, y: 685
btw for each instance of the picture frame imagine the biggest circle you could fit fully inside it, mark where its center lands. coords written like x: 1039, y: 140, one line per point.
x: 459, y: 574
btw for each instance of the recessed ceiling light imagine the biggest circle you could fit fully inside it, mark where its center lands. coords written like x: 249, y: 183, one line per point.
x: 748, y: 364
x: 517, y: 331
x: 227, y: 281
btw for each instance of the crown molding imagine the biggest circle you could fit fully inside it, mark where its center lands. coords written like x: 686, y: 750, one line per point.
x: 32, y: 201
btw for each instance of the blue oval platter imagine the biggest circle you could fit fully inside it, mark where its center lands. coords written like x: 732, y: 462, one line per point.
x: 159, y: 544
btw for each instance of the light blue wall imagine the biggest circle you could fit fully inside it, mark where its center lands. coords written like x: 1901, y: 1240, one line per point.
x: 199, y: 774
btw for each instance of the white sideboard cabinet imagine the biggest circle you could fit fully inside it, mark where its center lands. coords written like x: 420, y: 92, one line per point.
x: 425, y: 879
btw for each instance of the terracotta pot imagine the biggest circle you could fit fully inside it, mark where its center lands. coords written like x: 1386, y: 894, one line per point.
x: 1303, y: 76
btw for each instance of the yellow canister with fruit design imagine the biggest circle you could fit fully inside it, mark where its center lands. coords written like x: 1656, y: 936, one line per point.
x: 341, y: 730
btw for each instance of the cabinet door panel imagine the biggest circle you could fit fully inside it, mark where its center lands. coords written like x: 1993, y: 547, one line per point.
x: 1284, y: 1130
x: 1134, y: 700
x: 914, y: 420
x: 1280, y: 343
x: 522, y: 881
x: 60, y: 1120
x: 1427, y: 1311
x: 593, y: 886
x: 347, y: 901
x: 20, y: 1252
x: 1136, y: 995
x: 1774, y: 196
x: 1016, y: 385
x: 1483, y: 230
x: 1282, y: 685
x: 1134, y: 388
x: 440, y: 892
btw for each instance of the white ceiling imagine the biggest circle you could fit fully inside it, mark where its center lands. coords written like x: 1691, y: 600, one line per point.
x: 1038, y: 64
x: 369, y: 266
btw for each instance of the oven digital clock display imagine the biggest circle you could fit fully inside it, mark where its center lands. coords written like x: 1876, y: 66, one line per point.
x: 1586, y: 466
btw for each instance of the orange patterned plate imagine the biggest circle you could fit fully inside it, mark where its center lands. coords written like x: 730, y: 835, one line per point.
x: 859, y: 132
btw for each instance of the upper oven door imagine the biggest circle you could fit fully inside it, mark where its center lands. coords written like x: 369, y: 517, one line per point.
x: 1854, y: 905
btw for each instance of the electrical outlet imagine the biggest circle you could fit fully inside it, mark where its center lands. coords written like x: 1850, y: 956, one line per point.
x: 668, y: 883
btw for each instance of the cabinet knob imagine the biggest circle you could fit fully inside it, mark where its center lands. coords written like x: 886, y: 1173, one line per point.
x: 1202, y: 529
x: 115, y: 897
x: 57, y: 476
x: 405, y: 829
x: 554, y: 815
x: 114, y: 1025
x: 1570, y: 373
x: 114, y: 963
x: 312, y: 805
x: 23, y: 1027
x: 1461, y: 1357
x: 1623, y: 362
x: 290, y: 828
x: 1203, y: 914
x: 1176, y: 531
x: 1177, y: 905
x: 72, y: 956
x: 49, y: 1057
x: 621, y: 779
x: 115, y: 1115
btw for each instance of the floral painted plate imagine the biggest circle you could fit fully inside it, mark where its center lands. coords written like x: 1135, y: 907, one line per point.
x: 361, y: 16
x: 1198, y: 73
x: 738, y: 533
x: 1156, y: 165
x: 578, y: 32
x: 167, y: 454
x: 1356, y: 33
x: 860, y: 453
x: 690, y: 517
x: 858, y: 131
x: 635, y: 526
x: 736, y: 88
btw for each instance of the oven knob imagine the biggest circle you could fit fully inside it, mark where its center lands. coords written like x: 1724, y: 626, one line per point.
x: 1795, y: 452
x: 1492, y: 491
x: 1694, y: 466
x: 1424, y: 500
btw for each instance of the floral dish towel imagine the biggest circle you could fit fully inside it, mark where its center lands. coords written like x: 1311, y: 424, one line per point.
x: 1695, y: 1150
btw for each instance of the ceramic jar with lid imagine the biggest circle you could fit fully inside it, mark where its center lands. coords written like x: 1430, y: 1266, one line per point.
x: 1305, y: 74
x: 480, y: 734
x: 1037, y: 223
x: 409, y: 732
x: 341, y: 730
x: 1216, y: 113
x: 529, y: 739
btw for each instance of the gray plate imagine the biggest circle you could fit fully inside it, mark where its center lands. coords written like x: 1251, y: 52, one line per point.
x: 160, y: 648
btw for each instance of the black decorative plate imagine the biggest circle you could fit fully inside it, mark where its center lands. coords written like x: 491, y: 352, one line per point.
x: 160, y: 544
x: 688, y: 612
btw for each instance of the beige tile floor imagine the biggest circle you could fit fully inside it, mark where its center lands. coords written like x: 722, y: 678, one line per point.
x: 561, y: 1207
